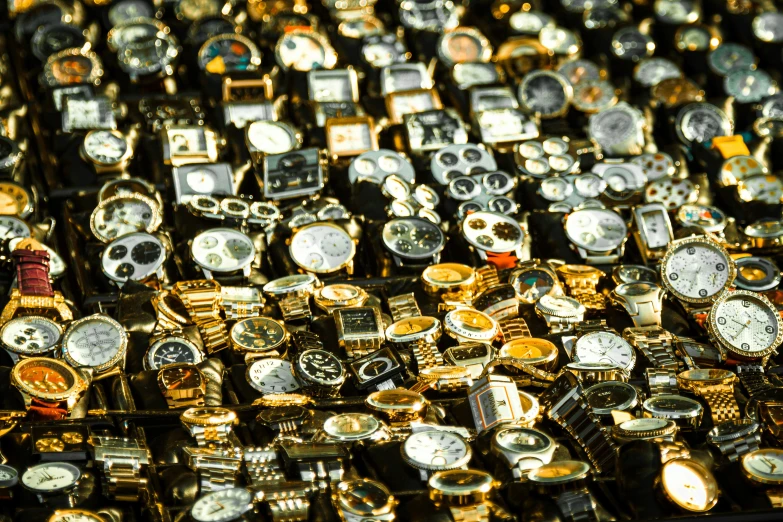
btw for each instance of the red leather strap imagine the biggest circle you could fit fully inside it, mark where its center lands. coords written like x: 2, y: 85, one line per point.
x: 43, y: 410
x: 32, y: 272
x: 505, y: 260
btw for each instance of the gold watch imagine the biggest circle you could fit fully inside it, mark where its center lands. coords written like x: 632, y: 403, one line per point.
x: 359, y: 330
x: 201, y: 298
x: 466, y: 493
x: 332, y: 297
x: 398, y: 407
x: 716, y: 387
x: 450, y: 281
x: 188, y: 144
x: 182, y: 384
x: 581, y: 282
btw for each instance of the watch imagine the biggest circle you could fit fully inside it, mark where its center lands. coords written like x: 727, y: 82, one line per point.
x: 382, y: 50
x: 413, y: 241
x: 267, y: 137
x: 749, y: 86
x: 292, y: 294
x: 226, y: 505
x: 304, y: 50
x: 627, y: 274
x: 567, y: 480
x: 353, y: 428
x: 124, y: 214
x: 333, y: 297
x: 361, y: 499
x: 701, y: 122
x: 202, y: 179
x: 382, y: 369
x: 618, y: 130
x: 122, y: 460
x: 137, y: 256
x: 146, y: 49
x: 228, y: 53
x: 758, y: 274
x: 377, y: 165
x: 457, y: 160
x: 97, y: 342
x: 653, y: 230
x: 522, y: 449
x: 400, y: 103
x: 652, y: 71
x: 684, y: 411
x: 108, y: 151
x: 689, y: 485
x: 435, y: 17
x: 223, y: 251
x: 72, y: 66
x: 201, y: 299
x: 359, y: 330
x: 320, y: 373
x: 53, y: 480
x: 259, y: 337
x: 210, y: 426
x: 745, y: 324
x: 598, y: 235
x: 322, y: 248
x: 171, y: 347
x: 496, y: 237
x: 50, y: 387
x: 463, y: 44
x: 729, y: 56
x: 546, y: 94
x: 655, y: 343
x: 624, y: 181
x: 606, y: 397
x: 30, y: 336
x: 314, y: 462
x: 74, y: 515
x: 432, y: 130
x: 708, y: 218
x: 596, y: 343
x: 735, y: 438
x: 435, y: 450
x: 349, y: 137
x: 467, y: 325
x: 473, y: 356
x: 561, y: 313
x: 533, y: 280
x: 471, y: 74
x: 292, y: 174
x: 182, y: 384
x: 581, y: 282
x: 188, y: 144
x: 271, y: 375
x: 642, y: 301
x: 465, y: 492
x: 761, y: 468
x: 645, y: 428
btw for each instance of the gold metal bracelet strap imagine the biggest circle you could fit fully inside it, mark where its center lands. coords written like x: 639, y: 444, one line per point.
x: 673, y: 450
x: 296, y: 308
x: 403, y: 306
x: 475, y: 513
x: 214, y: 335
x: 662, y: 382
x: 201, y: 299
x: 519, y: 365
x: 656, y: 344
x: 584, y: 291
x: 775, y: 497
x: 486, y: 277
x: 123, y: 480
x: 515, y: 328
x: 427, y: 355
x: 723, y: 405
x: 596, y: 325
x: 289, y: 501
x: 358, y: 348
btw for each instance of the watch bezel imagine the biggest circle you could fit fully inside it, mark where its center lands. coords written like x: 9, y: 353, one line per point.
x: 28, y: 319
x: 712, y: 325
x: 462, y: 461
x: 78, y: 386
x: 116, y: 358
x: 676, y: 246
x: 149, y: 359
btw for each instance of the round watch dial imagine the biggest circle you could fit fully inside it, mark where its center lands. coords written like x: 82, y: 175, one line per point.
x: 730, y: 56
x: 530, y: 350
x: 133, y: 257
x: 51, y: 477
x: 545, y: 93
x: 322, y: 248
x: 671, y: 192
x: 223, y: 250
x: 577, y: 71
x: 522, y: 440
x: 605, y: 347
x: 436, y: 450
x: 746, y: 323
x: 106, y: 147
x: 764, y: 466
x: 304, y: 51
x: 321, y: 367
x: 45, y: 378
x: 287, y: 284
x: 607, y: 396
x: 531, y: 284
x: 272, y: 137
x: 749, y: 86
x: 700, y: 122
x: 559, y: 472
x: 413, y: 238
x: 614, y: 125
x: 222, y: 506
x: 172, y: 350
x: 655, y: 166
x: 765, y: 188
x: 126, y: 10
x: 97, y: 341
x: 689, y: 485
x: 492, y: 232
x: 229, y: 53
x: 74, y: 515
x: 530, y: 22
x: 351, y: 426
x: 272, y: 376
x: 653, y: 71
x: 412, y: 328
x: 364, y: 498
x: 258, y: 334
x: 596, y: 230
x: 631, y: 44
x: 696, y: 270
x: 768, y: 27
x: 592, y: 96
x: 13, y: 227
x: 121, y: 215
x: 710, y: 219
x: 464, y: 45
x: 464, y: 188
x: 30, y: 335
x: 677, y: 12
x: 471, y: 324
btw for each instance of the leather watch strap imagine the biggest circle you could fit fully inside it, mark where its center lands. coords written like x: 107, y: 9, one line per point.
x: 32, y: 272
x: 43, y: 410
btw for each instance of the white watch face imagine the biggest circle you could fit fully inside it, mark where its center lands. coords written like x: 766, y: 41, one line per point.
x: 322, y: 248
x: 405, y: 103
x: 350, y: 138
x: 94, y: 341
x: 653, y: 71
x: 700, y: 122
x: 51, y: 477
x: 121, y: 215
x: 766, y: 188
x: 202, y: 181
x: 271, y: 137
x: 655, y: 166
x: 133, y: 257
x: 657, y: 228
x: 605, y: 347
x: 696, y: 270
x: 331, y: 87
x: 222, y: 506
x: 596, y: 230
x: 765, y: 465
x: 589, y: 185
x: 272, y: 376
x: 749, y: 86
x: 746, y: 323
x: 105, y: 147
x: 671, y: 192
x: 688, y: 486
x: 768, y: 27
x: 11, y: 227
x: 301, y: 52
x: 436, y: 449
x: 30, y: 335
x: 74, y: 515
x: 223, y: 250
x: 492, y: 231
x: 613, y: 126
x: 523, y: 440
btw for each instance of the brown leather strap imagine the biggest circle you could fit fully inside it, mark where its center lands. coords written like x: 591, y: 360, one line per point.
x: 32, y: 272
x: 43, y: 410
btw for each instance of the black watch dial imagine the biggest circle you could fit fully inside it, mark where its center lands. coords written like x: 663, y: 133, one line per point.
x: 359, y: 320
x: 467, y: 353
x: 146, y: 253
x: 321, y: 366
x: 293, y: 173
x: 171, y: 352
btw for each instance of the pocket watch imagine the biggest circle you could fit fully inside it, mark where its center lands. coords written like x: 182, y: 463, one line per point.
x: 96, y: 341
x: 652, y: 71
x: 304, y: 50
x: 322, y: 248
x: 700, y: 122
x: 463, y: 44
x: 749, y: 86
x: 672, y: 193
x: 223, y: 250
x: 468, y: 325
x: 631, y: 44
x: 124, y: 214
x: 30, y: 335
x: 436, y: 450
x: 604, y: 347
x: 746, y: 324
x: 271, y: 375
x: 765, y: 188
x: 729, y: 56
x: 51, y: 479
x: 71, y: 67
x: 225, y: 505
x: 228, y: 53
x: 689, y: 485
x: 696, y: 270
x: 171, y: 348
x: 134, y: 257
x: 413, y: 240
x: 546, y: 94
x: 383, y: 50
x: 259, y: 336
x: 320, y: 373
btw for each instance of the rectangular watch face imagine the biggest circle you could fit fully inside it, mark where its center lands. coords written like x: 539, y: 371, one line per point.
x: 433, y: 130
x: 469, y: 353
x: 312, y: 451
x: 339, y: 85
x: 292, y: 174
x: 88, y: 114
x: 350, y: 136
x: 379, y: 363
x: 657, y: 228
x: 77, y: 92
x: 404, y: 77
x: 467, y: 75
x: 492, y: 98
x: 202, y: 179
x: 240, y: 114
x: 506, y: 126
x: 187, y: 141
x: 409, y: 102
x: 359, y: 321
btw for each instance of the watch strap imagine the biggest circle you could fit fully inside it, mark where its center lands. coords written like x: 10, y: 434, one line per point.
x: 202, y: 299
x: 44, y: 410
x: 723, y: 405
x: 753, y: 379
x: 32, y: 272
x: 735, y: 449
x: 304, y: 340
x: 515, y: 328
x: 595, y: 325
x: 289, y: 501
x: 662, y: 381
x: 296, y: 309
x: 502, y: 261
x: 583, y: 289
x: 427, y: 355
x: 486, y: 277
x: 403, y: 306
x: 577, y: 506
x: 262, y: 467
x: 655, y: 343
x: 729, y: 146
x: 473, y: 513
x: 122, y: 478
x: 644, y: 310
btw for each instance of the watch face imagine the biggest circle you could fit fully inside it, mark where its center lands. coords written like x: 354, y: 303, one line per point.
x: 545, y: 93
x: 292, y: 174
x: 359, y: 321
x: 559, y: 40
x: 622, y: 181
x: 644, y: 424
x: 765, y: 188
x: 51, y: 39
x: 711, y: 219
x: 51, y: 477
x: 322, y: 248
x: 222, y: 506
x: 223, y: 250
x: 321, y: 367
x: 368, y: 369
x: 228, y: 53
x: 695, y: 38
x: 749, y: 86
x: 729, y: 56
x: 284, y: 285
x: 184, y: 377
x: 12, y: 227
x: 15, y: 200
x: 579, y: 70
x: 339, y: 85
x: 530, y: 22
x: 631, y: 44
x: 271, y: 137
x: 258, y: 334
x: 522, y: 440
x: 74, y: 515
x: 764, y: 465
x: 677, y: 12
x: 589, y: 185
x: 436, y: 17
x: 351, y: 426
x: 746, y: 323
x: 436, y: 450
x: 272, y: 376
x: 529, y: 350
x: 470, y: 74
x: 768, y: 27
x: 592, y: 96
x: 126, y: 10
x: 464, y: 45
x: 655, y: 166
x: 653, y: 71
x: 172, y: 350
x: 105, y: 147
x: 757, y: 273
x: 656, y: 227
x: 627, y: 274
x: 492, y: 232
x: 689, y: 485
x: 559, y: 472
x: 124, y: 187
x: 470, y: 352
x: 672, y: 406
x: 604, y: 347
x: 412, y: 328
x: 696, y: 271
x: 413, y: 238
x: 382, y: 52
x: 303, y: 51
x: 97, y: 341
x: 596, y: 230
x: 433, y: 130
x: 409, y: 102
x: 69, y: 68
x: 121, y: 215
x: 471, y: 324
x: 30, y: 335
x: 363, y: 497
x: 45, y: 378
x: 672, y: 193
x: 350, y: 138
x: 613, y: 125
x: 133, y: 257
x: 607, y: 396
